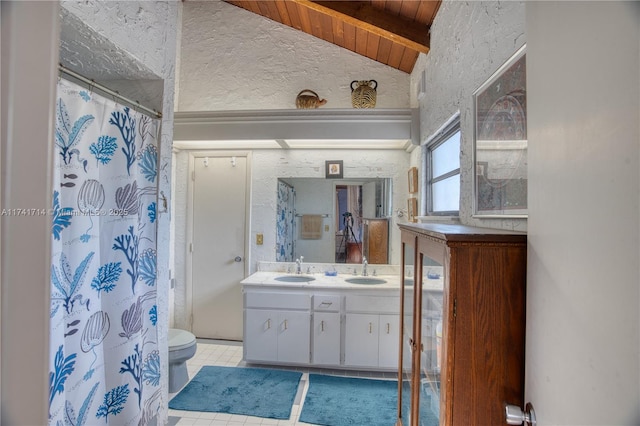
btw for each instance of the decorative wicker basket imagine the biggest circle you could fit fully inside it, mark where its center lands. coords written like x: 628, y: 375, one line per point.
x: 364, y: 94
x: 308, y: 99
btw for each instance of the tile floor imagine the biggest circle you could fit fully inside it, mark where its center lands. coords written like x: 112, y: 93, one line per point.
x: 225, y: 353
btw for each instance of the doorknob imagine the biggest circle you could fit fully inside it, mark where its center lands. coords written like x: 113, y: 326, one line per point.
x: 238, y: 259
x: 515, y: 416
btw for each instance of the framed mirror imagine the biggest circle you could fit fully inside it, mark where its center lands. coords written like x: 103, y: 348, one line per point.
x: 322, y: 219
x: 500, y: 161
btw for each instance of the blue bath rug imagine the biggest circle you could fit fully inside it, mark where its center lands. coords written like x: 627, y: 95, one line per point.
x: 341, y: 401
x: 254, y: 392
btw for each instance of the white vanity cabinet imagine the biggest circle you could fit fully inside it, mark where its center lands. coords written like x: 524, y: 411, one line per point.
x: 277, y: 327
x: 326, y: 329
x: 328, y: 324
x: 371, y: 331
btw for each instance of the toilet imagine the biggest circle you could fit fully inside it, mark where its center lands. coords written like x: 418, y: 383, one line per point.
x: 182, y: 346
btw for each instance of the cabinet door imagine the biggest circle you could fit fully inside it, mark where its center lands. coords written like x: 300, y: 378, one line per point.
x: 326, y: 338
x: 389, y: 335
x: 407, y: 308
x: 294, y: 332
x: 260, y: 340
x: 429, y: 334
x: 361, y: 340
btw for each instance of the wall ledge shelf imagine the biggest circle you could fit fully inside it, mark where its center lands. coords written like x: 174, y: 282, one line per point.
x: 288, y: 126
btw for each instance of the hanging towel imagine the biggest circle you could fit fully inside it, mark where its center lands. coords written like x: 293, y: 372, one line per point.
x: 311, y: 227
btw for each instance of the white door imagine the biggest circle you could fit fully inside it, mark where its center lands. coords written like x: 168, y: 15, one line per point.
x: 218, y: 234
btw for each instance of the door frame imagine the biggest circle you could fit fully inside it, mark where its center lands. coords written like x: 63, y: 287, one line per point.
x: 189, y: 219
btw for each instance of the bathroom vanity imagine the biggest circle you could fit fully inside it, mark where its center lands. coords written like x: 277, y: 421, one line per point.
x: 344, y: 321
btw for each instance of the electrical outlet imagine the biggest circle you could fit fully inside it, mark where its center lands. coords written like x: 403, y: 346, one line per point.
x: 259, y: 239
x: 326, y: 228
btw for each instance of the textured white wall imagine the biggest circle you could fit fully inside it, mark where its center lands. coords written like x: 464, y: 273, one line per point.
x: 469, y: 42
x: 233, y: 59
x: 144, y: 35
x: 286, y: 163
x: 140, y: 28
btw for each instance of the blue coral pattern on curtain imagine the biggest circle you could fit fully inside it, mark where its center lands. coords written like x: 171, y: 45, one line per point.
x: 104, y: 363
x: 285, y: 223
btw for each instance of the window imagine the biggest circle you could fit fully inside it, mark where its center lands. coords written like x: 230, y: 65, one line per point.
x: 441, y: 159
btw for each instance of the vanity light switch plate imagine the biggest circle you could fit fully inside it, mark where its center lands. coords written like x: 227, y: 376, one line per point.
x: 326, y: 228
x: 259, y: 239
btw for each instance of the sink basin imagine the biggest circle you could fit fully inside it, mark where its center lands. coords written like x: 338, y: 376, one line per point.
x: 365, y: 280
x: 294, y: 278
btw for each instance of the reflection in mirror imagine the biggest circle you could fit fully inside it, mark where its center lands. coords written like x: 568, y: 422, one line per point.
x: 322, y: 219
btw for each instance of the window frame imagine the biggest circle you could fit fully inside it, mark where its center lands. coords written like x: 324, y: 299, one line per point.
x: 450, y: 128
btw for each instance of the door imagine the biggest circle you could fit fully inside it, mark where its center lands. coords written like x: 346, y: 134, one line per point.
x: 294, y: 337
x: 218, y: 235
x: 389, y: 329
x: 261, y: 342
x: 326, y: 338
x: 361, y: 340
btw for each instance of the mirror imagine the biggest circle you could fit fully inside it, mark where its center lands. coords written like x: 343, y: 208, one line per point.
x: 322, y: 219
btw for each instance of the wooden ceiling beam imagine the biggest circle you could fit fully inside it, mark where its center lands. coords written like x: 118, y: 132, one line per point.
x: 362, y: 15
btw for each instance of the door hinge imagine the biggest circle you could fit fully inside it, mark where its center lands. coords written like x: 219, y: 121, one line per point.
x: 455, y: 307
x: 191, y: 321
x: 193, y: 175
x: 190, y: 247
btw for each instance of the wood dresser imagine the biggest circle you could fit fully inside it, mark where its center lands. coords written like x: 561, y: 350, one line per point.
x: 462, y: 339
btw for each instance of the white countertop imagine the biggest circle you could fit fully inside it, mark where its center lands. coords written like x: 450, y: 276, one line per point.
x: 321, y: 281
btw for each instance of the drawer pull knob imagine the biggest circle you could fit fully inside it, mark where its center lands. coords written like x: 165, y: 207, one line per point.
x: 268, y: 323
x: 326, y: 304
x: 322, y: 326
x: 388, y: 328
x: 285, y: 324
x: 370, y: 327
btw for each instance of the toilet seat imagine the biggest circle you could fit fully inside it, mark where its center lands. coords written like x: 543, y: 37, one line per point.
x: 180, y: 339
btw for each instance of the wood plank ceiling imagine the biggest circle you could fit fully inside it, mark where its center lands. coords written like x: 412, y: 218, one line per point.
x: 392, y: 32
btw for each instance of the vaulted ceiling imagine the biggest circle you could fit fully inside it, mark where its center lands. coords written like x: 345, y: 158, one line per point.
x: 392, y: 32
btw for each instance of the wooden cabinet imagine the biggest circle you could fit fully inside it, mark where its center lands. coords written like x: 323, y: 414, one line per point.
x: 463, y: 324
x: 375, y: 240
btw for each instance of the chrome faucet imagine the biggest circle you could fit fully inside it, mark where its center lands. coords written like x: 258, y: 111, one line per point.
x: 364, y: 266
x: 299, y: 265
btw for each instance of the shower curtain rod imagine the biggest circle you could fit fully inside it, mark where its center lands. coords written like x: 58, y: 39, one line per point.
x: 105, y: 89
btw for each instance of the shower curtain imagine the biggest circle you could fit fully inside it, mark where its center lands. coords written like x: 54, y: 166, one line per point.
x: 104, y: 360
x: 285, y: 222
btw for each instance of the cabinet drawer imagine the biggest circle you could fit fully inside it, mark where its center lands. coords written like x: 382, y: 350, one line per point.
x: 278, y: 300
x: 377, y: 304
x: 328, y: 302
